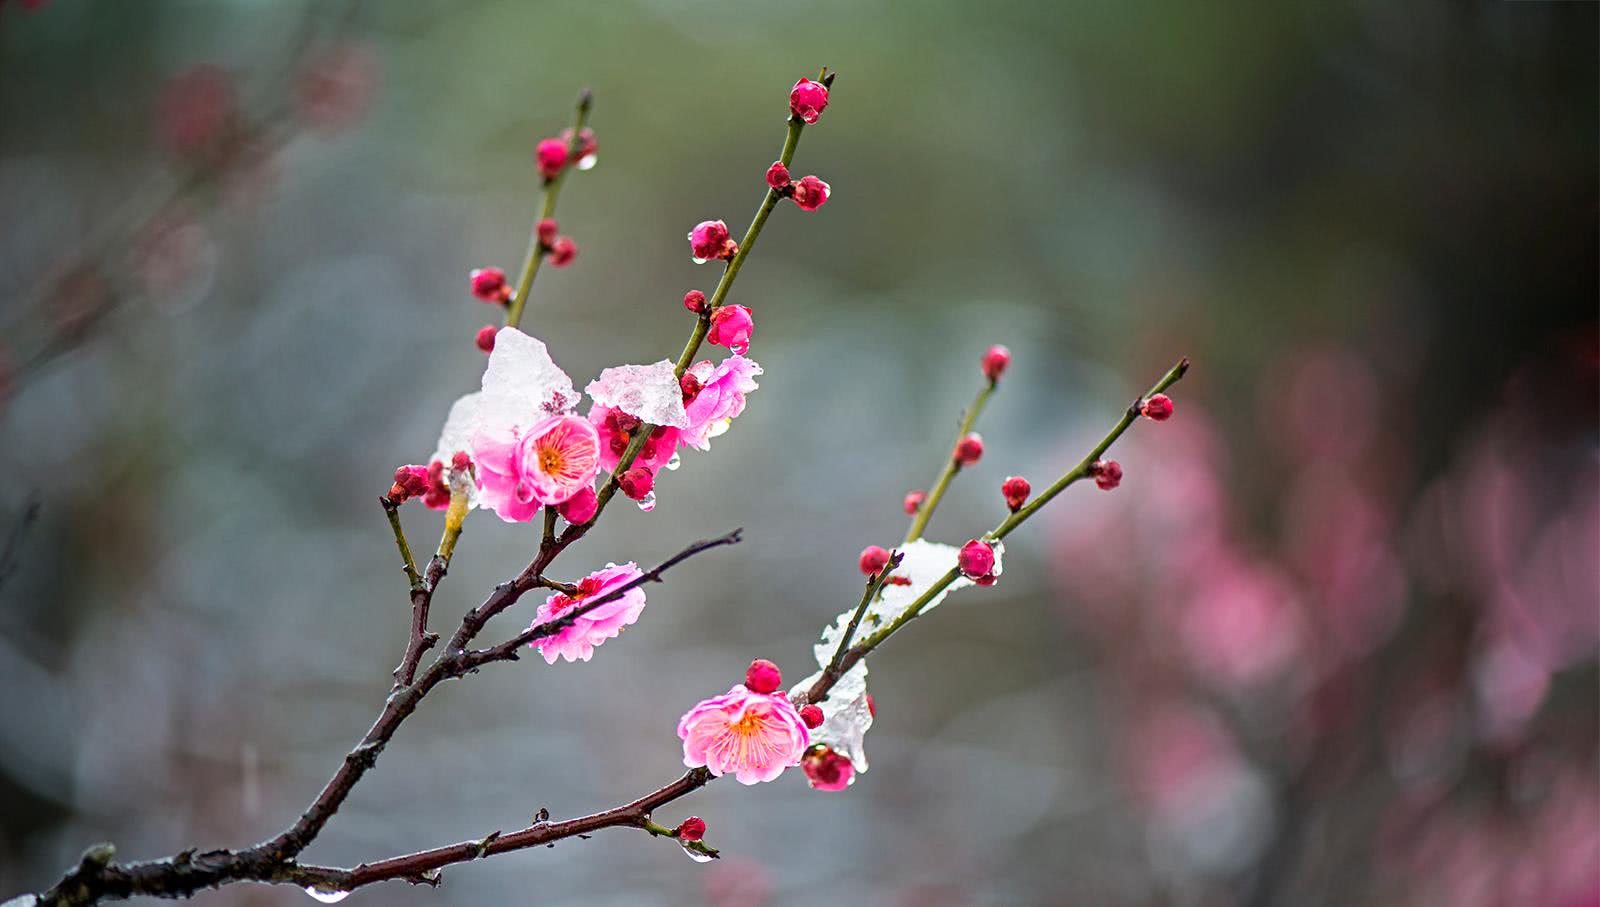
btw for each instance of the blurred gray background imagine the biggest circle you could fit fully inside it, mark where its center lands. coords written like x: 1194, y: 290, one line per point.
x: 1332, y: 642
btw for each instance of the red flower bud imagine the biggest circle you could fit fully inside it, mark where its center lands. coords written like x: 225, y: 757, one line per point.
x: 812, y: 716
x: 579, y: 508
x: 995, y: 361
x: 691, y: 829
x: 694, y: 301
x: 763, y: 676
x: 1157, y: 409
x: 409, y: 482
x: 807, y: 100
x: 1015, y: 489
x: 810, y: 193
x: 778, y: 176
x: 637, y: 482
x: 547, y: 230
x: 1107, y: 473
x: 552, y: 156
x: 827, y: 769
x: 485, y: 338
x: 489, y: 285
x: 710, y: 239
x: 913, y: 501
x: 563, y: 251
x: 872, y: 559
x: 976, y: 559
x: 969, y: 449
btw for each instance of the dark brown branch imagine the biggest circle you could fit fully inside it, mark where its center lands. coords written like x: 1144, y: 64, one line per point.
x: 273, y: 860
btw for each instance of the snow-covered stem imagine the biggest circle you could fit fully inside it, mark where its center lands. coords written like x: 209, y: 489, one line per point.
x: 552, y: 190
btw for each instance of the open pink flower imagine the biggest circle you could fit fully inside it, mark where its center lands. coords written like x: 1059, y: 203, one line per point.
x: 576, y: 641
x: 551, y: 462
x: 753, y: 735
x: 720, y: 397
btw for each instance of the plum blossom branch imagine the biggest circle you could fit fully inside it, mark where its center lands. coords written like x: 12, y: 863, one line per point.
x: 537, y: 247
x: 1011, y: 522
x: 718, y: 297
x: 421, y: 638
x: 952, y: 463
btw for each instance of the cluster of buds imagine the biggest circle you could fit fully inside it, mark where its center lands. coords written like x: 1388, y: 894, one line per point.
x: 426, y: 482
x: 555, y: 155
x: 489, y: 285
x: 809, y: 192
x: 409, y: 482
x: 561, y: 250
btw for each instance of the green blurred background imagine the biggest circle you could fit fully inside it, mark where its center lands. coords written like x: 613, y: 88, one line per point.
x: 1333, y: 641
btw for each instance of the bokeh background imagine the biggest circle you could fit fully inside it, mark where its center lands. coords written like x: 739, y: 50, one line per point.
x: 1332, y: 642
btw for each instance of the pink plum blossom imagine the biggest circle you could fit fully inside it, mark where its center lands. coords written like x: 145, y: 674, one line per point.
x: 731, y: 326
x: 720, y: 398
x: 577, y: 640
x: 519, y: 473
x: 755, y: 736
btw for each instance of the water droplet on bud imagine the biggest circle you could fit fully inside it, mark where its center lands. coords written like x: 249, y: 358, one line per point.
x: 327, y: 895
x: 675, y: 462
x: 587, y: 163
x: 696, y: 855
x: 648, y: 502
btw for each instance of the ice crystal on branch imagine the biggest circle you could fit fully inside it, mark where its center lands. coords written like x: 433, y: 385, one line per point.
x: 650, y: 393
